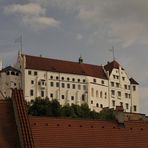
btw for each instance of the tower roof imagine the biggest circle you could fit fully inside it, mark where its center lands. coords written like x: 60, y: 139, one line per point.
x: 111, y: 65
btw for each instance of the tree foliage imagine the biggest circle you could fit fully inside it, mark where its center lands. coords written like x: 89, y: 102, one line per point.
x: 45, y: 107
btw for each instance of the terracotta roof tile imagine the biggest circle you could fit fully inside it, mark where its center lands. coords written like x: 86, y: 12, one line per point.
x: 41, y: 63
x: 56, y: 132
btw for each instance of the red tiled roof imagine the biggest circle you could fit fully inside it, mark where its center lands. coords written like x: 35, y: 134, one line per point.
x: 8, y: 130
x: 70, y: 133
x: 41, y: 63
x: 22, y: 120
x: 110, y: 65
x: 133, y: 81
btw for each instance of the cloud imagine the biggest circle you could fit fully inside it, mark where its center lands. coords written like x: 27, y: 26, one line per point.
x: 32, y: 14
x: 26, y: 9
x: 40, y: 22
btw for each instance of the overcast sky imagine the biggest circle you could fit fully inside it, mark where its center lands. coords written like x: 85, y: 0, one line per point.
x: 66, y: 29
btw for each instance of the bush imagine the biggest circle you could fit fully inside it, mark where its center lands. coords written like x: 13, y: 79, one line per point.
x: 45, y: 107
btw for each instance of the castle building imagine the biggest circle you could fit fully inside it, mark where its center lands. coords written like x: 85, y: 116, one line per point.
x: 75, y: 82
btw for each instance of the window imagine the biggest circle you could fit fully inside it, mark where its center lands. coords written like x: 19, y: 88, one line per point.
x: 117, y: 84
x: 113, y: 103
x: 57, y: 84
x: 114, y: 76
x: 101, y: 106
x: 79, y: 87
x: 51, y: 77
x: 29, y: 72
x: 31, y: 92
x: 72, y: 98
x: 97, y: 105
x: 62, y: 78
x: 73, y: 86
x: 63, y: 85
x: 129, y: 87
x: 73, y: 79
x: 51, y: 95
x: 127, y: 106
x: 135, y: 108
x: 112, y: 84
x: 68, y: 79
x: 125, y: 86
x: 121, y: 103
x: 83, y: 97
x: 42, y: 93
x: 119, y: 94
x: 102, y: 82
x: 105, y: 95
x: 35, y: 73
x: 63, y: 96
x: 32, y: 82
x: 51, y: 84
x: 123, y: 78
x: 91, y: 101
x: 68, y: 85
x: 84, y: 80
x: 126, y: 95
x: 12, y: 73
x: 78, y: 80
x: 94, y: 80
x: 134, y: 88
x: 57, y: 78
x: 8, y: 73
x: 113, y: 92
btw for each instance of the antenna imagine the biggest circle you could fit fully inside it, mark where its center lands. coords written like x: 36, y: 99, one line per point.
x: 113, y: 52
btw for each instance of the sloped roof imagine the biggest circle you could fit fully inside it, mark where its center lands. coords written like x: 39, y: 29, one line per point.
x: 8, y: 130
x: 69, y: 133
x: 111, y: 65
x: 56, y: 132
x: 54, y: 65
x: 9, y: 68
x: 133, y: 81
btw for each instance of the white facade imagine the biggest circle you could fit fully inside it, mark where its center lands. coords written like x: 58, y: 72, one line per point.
x: 114, y: 90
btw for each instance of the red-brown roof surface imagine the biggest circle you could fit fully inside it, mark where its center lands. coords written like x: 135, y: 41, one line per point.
x: 110, y: 65
x: 8, y: 130
x: 41, y: 63
x: 66, y: 133
x: 72, y: 133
